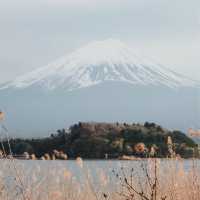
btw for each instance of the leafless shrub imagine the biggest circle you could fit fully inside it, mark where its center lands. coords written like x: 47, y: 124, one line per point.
x: 147, y: 179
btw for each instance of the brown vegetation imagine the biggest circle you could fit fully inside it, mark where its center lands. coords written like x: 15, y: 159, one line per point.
x: 150, y: 179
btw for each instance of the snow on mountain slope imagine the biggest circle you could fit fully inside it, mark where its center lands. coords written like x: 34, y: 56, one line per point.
x: 108, y: 60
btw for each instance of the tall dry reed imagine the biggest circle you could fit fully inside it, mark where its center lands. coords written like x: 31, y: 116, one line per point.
x: 149, y: 179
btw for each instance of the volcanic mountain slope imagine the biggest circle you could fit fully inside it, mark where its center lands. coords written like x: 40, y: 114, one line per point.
x: 98, y: 62
x: 103, y: 81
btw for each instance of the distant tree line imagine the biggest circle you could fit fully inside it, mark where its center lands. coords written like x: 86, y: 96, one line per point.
x: 97, y: 140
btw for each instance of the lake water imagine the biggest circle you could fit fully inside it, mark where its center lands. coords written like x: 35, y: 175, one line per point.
x: 93, y: 167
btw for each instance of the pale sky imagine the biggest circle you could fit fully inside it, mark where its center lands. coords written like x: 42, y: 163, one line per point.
x: 36, y: 32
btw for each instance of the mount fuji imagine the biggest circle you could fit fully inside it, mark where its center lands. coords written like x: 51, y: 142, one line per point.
x: 103, y: 81
x: 109, y: 60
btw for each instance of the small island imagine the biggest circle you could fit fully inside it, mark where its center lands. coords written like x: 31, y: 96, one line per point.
x: 92, y: 140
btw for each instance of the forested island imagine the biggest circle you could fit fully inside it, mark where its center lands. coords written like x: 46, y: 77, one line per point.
x: 108, y: 140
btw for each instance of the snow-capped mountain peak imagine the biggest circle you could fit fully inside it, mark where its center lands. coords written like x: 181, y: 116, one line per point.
x: 97, y: 62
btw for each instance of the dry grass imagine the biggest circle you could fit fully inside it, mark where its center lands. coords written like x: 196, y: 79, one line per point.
x: 151, y: 179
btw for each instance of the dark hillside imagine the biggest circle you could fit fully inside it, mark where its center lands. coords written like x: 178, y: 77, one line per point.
x: 97, y: 140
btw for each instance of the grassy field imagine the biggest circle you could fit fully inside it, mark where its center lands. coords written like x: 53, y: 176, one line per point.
x: 150, y: 179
